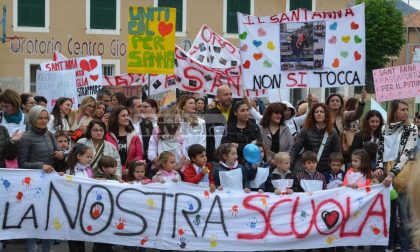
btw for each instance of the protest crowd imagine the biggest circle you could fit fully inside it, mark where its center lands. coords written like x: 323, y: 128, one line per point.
x: 134, y: 140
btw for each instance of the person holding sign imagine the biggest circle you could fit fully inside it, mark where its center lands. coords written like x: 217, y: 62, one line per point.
x: 59, y: 120
x: 359, y: 174
x: 310, y: 180
x: 281, y: 178
x: 317, y: 135
x: 257, y: 161
x: 199, y: 171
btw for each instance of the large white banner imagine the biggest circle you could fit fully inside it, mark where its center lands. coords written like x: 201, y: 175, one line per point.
x: 301, y: 48
x: 88, y: 73
x: 53, y: 85
x: 186, y: 216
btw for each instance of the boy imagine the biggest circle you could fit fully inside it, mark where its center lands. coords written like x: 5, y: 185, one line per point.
x: 280, y: 171
x: 107, y: 168
x: 62, y: 140
x: 310, y: 173
x: 335, y: 176
x: 199, y: 171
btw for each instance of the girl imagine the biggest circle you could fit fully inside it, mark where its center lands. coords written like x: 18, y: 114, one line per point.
x: 78, y: 161
x: 60, y: 115
x: 263, y: 165
x: 166, y: 164
x: 359, y: 174
x: 137, y: 170
x: 228, y: 156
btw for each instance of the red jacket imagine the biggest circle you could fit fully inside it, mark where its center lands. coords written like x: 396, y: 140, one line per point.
x: 135, y: 149
x: 191, y: 175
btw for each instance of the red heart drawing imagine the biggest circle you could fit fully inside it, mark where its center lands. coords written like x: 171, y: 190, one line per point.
x: 354, y: 25
x: 330, y: 218
x: 94, y: 77
x: 84, y: 65
x: 247, y: 64
x: 93, y: 64
x: 257, y: 56
x: 357, y: 55
x: 164, y: 29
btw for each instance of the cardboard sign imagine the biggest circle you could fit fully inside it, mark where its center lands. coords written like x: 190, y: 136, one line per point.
x: 53, y: 85
x: 399, y: 82
x: 151, y: 40
x: 88, y: 73
x: 301, y: 49
x: 185, y: 216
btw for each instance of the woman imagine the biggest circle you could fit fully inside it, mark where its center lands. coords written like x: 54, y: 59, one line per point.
x: 12, y: 116
x: 275, y: 134
x: 368, y: 137
x: 118, y: 99
x: 38, y: 150
x: 242, y: 130
x: 99, y: 111
x: 397, y: 130
x: 193, y: 129
x: 60, y: 115
x: 200, y: 103
x: 80, y: 118
x: 149, y: 110
x: 95, y: 139
x: 318, y: 135
x: 122, y: 135
x: 27, y: 102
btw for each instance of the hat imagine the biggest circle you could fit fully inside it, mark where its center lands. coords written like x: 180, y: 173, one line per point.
x: 35, y: 112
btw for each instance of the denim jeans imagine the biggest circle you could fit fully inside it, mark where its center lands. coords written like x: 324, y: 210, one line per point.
x: 33, y: 248
x: 404, y: 214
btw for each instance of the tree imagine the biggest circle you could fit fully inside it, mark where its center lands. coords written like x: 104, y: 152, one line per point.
x: 384, y: 35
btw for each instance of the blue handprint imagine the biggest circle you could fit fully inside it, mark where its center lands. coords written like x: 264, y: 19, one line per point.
x: 252, y: 222
x: 190, y: 206
x: 197, y: 220
x: 183, y: 243
x: 6, y: 184
x: 359, y: 200
x: 98, y: 196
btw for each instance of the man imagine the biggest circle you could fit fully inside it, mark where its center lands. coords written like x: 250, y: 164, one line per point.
x: 104, y: 95
x: 217, y: 118
x: 134, y: 109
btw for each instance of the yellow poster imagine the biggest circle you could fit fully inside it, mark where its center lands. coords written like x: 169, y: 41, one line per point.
x: 151, y: 40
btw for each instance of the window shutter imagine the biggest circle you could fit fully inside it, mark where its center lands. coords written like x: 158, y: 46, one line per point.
x: 179, y: 11
x: 31, y: 13
x: 234, y: 6
x: 296, y: 4
x: 103, y: 14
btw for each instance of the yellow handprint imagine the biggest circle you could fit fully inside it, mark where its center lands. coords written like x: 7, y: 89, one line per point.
x: 57, y: 224
x: 330, y: 239
x: 151, y: 203
x: 213, y: 241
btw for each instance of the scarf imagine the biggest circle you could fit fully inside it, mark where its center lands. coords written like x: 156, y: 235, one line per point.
x: 15, y: 118
x: 392, y: 128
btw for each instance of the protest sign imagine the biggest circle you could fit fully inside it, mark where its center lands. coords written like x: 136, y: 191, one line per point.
x: 301, y: 48
x: 88, y: 72
x: 187, y: 216
x: 398, y: 82
x: 151, y: 40
x: 53, y: 85
x: 376, y: 106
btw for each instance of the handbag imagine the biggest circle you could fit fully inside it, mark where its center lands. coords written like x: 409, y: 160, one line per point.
x: 347, y: 139
x: 400, y: 182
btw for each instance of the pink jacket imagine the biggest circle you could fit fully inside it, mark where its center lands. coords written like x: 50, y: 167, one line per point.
x: 135, y: 149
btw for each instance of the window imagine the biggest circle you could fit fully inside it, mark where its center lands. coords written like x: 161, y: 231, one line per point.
x: 231, y: 7
x: 32, y: 73
x: 31, y: 15
x: 108, y: 70
x: 296, y: 4
x: 103, y: 16
x: 181, y: 10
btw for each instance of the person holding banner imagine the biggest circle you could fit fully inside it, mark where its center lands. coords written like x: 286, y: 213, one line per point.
x: 59, y: 119
x: 12, y: 116
x: 396, y: 160
x: 318, y: 135
x: 38, y: 150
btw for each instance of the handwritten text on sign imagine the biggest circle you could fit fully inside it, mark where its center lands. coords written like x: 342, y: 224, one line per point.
x: 151, y: 40
x: 172, y: 215
x: 397, y: 82
x: 300, y: 49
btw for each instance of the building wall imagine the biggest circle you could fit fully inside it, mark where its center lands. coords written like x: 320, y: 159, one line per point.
x: 67, y: 33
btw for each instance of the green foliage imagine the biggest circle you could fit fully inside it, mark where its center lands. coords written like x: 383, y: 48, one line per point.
x: 385, y: 33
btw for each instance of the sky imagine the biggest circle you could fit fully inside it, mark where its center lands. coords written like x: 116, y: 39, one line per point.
x: 413, y: 3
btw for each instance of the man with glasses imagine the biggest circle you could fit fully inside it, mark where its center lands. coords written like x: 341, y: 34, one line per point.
x: 104, y: 95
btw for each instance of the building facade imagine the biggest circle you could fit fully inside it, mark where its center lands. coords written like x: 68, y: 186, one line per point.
x: 34, y: 29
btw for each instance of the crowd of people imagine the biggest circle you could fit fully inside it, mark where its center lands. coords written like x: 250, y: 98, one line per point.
x: 134, y: 140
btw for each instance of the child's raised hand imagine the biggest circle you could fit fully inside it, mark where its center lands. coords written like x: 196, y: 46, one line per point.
x: 205, y: 170
x: 220, y: 188
x: 247, y: 190
x: 212, y: 188
x: 289, y: 191
x: 260, y: 191
x: 277, y: 191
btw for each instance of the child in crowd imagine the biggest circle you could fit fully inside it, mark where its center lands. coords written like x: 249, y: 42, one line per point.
x: 263, y: 164
x: 137, y: 170
x: 63, y: 141
x: 199, y: 171
x: 310, y: 162
x: 78, y: 161
x: 280, y: 171
x: 359, y: 174
x: 228, y: 156
x: 107, y: 168
x: 166, y: 164
x: 335, y: 176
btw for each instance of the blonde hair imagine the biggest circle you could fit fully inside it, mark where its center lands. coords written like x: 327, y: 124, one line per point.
x: 281, y: 157
x: 87, y: 101
x: 163, y: 158
x: 413, y: 194
x: 190, y: 118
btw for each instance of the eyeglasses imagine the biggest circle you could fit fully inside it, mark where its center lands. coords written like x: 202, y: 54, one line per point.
x: 98, y: 130
x: 145, y: 106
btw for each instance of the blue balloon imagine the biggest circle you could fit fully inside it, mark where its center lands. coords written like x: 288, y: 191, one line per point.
x: 252, y: 154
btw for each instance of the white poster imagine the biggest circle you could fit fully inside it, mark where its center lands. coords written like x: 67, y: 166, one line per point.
x: 301, y: 49
x: 183, y: 216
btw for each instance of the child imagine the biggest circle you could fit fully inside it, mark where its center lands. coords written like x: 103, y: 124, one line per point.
x: 335, y: 176
x: 78, y: 161
x: 228, y: 156
x: 107, y: 168
x: 137, y: 172
x: 166, y: 164
x: 263, y: 164
x: 62, y: 141
x: 310, y: 162
x: 280, y: 171
x: 199, y: 171
x: 359, y: 174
